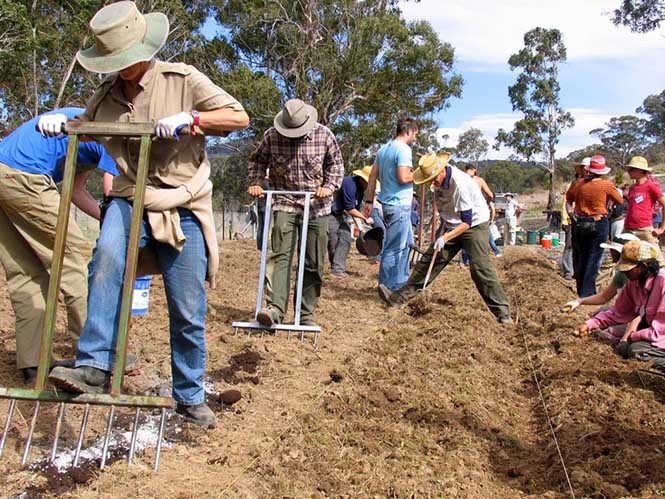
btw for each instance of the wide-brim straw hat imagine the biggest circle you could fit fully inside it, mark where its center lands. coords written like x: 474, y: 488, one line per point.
x: 429, y: 166
x: 123, y: 37
x: 640, y: 163
x: 635, y: 252
x: 296, y: 119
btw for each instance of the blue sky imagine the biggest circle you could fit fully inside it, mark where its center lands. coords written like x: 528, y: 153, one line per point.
x: 609, y: 70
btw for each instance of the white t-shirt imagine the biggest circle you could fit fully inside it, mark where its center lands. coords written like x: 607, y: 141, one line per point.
x: 459, y: 193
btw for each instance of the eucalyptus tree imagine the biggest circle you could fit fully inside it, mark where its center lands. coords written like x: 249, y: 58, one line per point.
x: 472, y: 146
x: 360, y: 63
x: 535, y: 94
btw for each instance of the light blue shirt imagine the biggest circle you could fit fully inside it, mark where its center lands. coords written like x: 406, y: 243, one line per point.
x: 395, y: 153
x: 27, y: 150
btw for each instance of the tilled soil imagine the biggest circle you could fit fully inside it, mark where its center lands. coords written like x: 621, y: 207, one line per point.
x: 432, y: 400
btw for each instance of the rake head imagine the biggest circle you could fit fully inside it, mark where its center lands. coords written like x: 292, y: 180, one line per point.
x: 62, y: 400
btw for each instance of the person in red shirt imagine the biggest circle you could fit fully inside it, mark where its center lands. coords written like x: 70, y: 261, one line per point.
x: 643, y: 195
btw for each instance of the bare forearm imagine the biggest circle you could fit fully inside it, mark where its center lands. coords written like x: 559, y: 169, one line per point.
x: 86, y: 203
x: 225, y: 119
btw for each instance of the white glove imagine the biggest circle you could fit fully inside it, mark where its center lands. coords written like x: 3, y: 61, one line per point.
x: 170, y: 126
x: 50, y: 125
x: 570, y: 306
x: 439, y: 243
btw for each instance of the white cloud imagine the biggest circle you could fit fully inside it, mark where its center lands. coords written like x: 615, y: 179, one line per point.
x: 572, y: 139
x: 487, y: 32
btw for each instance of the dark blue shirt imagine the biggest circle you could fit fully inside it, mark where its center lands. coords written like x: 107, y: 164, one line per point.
x: 348, y: 196
x: 27, y: 150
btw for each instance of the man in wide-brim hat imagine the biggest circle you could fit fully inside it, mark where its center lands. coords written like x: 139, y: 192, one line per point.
x: 465, y: 225
x: 178, y: 223
x: 643, y: 196
x: 301, y: 155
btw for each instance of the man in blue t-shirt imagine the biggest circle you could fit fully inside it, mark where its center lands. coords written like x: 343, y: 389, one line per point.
x: 392, y: 168
x: 30, y: 167
x: 347, y: 203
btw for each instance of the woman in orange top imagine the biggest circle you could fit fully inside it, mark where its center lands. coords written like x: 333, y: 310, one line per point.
x: 592, y: 196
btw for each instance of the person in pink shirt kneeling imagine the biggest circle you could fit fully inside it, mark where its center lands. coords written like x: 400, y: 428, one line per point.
x: 643, y: 298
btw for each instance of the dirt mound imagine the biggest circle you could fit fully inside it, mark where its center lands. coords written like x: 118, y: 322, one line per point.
x: 431, y: 400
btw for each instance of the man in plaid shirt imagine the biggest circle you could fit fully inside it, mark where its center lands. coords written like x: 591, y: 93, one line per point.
x: 300, y: 155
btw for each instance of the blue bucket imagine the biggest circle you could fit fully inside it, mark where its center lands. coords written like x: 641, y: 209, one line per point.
x: 141, y: 295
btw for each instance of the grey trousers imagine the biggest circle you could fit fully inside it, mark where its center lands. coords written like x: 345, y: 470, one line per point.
x: 645, y: 351
x: 339, y: 243
x: 474, y: 241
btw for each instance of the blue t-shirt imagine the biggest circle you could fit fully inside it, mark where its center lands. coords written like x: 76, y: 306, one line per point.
x: 27, y: 150
x: 395, y: 153
x: 349, y: 196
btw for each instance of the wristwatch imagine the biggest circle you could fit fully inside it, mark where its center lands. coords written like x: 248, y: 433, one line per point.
x: 196, y: 118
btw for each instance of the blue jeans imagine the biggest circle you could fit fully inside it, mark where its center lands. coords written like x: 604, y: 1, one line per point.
x: 377, y: 216
x: 184, y: 275
x: 394, y: 268
x: 588, y: 234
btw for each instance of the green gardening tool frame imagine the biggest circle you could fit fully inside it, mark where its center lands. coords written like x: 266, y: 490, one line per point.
x: 115, y: 397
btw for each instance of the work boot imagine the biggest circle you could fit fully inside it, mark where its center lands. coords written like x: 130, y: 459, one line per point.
x: 506, y: 320
x: 199, y: 414
x: 308, y: 321
x: 84, y: 379
x: 130, y: 362
x: 268, y: 316
x: 391, y: 299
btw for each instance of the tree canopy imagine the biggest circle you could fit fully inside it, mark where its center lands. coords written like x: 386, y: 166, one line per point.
x: 622, y: 137
x: 359, y: 62
x: 640, y: 16
x: 472, y: 146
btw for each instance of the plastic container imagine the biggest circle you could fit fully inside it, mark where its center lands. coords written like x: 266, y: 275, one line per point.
x: 546, y: 241
x: 141, y: 295
x: 562, y: 238
x: 532, y: 237
x: 521, y: 237
x: 555, y: 240
x: 541, y: 233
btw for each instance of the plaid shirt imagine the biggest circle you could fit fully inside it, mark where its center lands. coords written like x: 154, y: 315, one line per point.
x: 301, y: 164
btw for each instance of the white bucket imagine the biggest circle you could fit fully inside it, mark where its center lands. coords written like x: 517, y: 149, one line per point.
x: 141, y: 295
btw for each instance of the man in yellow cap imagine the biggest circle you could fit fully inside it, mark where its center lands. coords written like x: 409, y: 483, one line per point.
x: 177, y: 223
x: 465, y: 220
x: 347, y: 204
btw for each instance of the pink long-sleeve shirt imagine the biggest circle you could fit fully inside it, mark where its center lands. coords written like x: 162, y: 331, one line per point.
x: 634, y: 300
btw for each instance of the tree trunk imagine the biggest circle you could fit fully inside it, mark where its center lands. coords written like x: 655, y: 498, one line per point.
x: 551, y: 199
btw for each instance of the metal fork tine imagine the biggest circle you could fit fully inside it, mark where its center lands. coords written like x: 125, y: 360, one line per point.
x: 28, y: 442
x: 132, y: 443
x: 302, y: 336
x: 107, y: 437
x: 10, y: 413
x: 79, y: 443
x: 159, y: 438
x: 58, y: 424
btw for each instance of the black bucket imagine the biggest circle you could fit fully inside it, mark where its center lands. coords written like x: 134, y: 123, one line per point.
x: 370, y: 243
